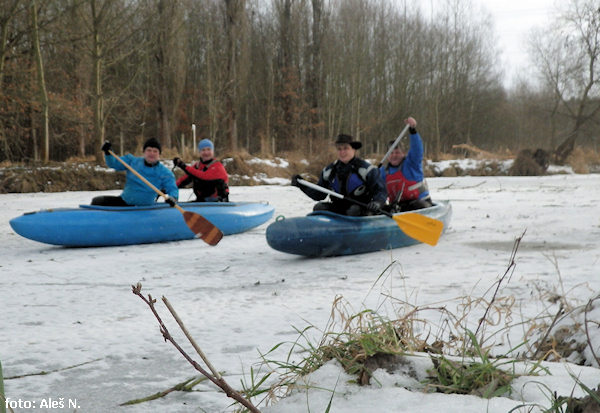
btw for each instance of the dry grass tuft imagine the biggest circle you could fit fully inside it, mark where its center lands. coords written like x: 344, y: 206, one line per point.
x: 473, y: 152
x: 81, y: 159
x: 188, y: 155
x: 59, y: 178
x: 580, y: 160
x: 530, y: 163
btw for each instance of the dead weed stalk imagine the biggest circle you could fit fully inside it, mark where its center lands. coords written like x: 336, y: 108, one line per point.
x: 213, y: 375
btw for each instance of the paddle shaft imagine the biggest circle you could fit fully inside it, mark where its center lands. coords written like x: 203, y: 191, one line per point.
x: 335, y: 194
x: 396, y: 142
x: 147, y: 182
x: 199, y: 225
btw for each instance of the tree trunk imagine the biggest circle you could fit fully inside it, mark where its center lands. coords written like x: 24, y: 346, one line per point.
x: 314, y: 77
x: 234, y: 10
x: 97, y: 97
x: 565, y: 149
x: 171, y: 67
x: 12, y: 10
x: 266, y: 137
x: 41, y: 81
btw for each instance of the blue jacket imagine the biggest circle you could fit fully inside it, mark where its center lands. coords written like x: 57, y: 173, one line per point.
x: 411, y: 172
x: 136, y: 192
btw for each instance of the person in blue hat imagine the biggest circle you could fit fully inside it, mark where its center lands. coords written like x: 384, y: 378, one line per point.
x: 207, y: 176
x: 136, y: 192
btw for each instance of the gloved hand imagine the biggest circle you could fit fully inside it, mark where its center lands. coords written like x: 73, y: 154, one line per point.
x: 295, y: 180
x: 374, y: 206
x: 171, y: 201
x: 106, y: 147
x: 179, y: 163
x: 412, y: 123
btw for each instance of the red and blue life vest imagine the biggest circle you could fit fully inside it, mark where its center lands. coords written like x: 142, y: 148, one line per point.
x: 400, y: 188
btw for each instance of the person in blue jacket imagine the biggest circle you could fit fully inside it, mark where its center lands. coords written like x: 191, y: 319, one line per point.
x: 403, y: 175
x: 350, y: 176
x: 136, y: 192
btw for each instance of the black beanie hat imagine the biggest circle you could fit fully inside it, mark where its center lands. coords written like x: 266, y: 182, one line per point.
x: 153, y: 143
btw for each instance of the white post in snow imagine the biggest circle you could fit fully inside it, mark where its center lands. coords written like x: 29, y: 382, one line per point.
x: 193, y: 137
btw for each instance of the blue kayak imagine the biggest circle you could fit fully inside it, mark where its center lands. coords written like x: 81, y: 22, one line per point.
x: 324, y: 233
x: 96, y: 226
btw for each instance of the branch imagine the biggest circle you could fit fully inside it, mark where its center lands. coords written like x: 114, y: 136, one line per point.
x: 183, y: 386
x: 217, y: 379
x: 588, y: 308
x: 510, y: 267
x: 191, y: 339
x: 43, y: 372
x: 543, y: 340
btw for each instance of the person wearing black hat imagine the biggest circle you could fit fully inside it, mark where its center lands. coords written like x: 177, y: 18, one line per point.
x: 350, y: 176
x: 403, y: 175
x: 136, y: 192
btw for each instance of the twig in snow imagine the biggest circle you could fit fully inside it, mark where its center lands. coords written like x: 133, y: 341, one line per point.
x: 43, y: 373
x: 543, y: 340
x: 217, y: 379
x: 191, y: 339
x: 464, y: 187
x: 183, y: 386
x: 510, y: 268
x: 588, y: 308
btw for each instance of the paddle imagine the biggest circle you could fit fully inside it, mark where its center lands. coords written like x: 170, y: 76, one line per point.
x: 396, y: 142
x: 417, y: 226
x: 199, y: 225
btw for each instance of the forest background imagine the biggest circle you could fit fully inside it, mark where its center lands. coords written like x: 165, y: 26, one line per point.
x: 273, y: 77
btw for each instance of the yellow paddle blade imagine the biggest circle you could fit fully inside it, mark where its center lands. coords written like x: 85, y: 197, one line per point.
x: 420, y: 227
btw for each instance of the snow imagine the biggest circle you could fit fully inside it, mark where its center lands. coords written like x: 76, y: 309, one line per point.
x: 64, y: 307
x: 469, y: 164
x: 276, y: 162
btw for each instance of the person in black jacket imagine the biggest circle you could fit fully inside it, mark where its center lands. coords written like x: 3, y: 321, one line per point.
x: 349, y: 176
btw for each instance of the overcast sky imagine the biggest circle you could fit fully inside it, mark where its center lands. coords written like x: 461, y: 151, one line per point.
x: 513, y: 20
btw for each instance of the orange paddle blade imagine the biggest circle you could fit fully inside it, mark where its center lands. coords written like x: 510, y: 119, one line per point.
x: 203, y: 228
x: 420, y: 227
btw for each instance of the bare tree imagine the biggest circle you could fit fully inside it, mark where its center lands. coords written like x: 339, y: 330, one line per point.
x: 264, y: 76
x: 260, y: 99
x: 315, y: 73
x: 43, y: 92
x: 205, y: 67
x: 10, y: 9
x: 567, y: 56
x: 462, y: 74
x: 110, y: 26
x: 171, y: 65
x: 13, y: 27
x: 234, y: 25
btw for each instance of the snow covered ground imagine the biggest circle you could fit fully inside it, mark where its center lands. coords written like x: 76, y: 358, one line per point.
x: 64, y: 308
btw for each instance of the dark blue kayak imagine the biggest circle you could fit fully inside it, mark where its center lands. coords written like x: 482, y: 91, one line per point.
x: 323, y: 233
x: 95, y: 226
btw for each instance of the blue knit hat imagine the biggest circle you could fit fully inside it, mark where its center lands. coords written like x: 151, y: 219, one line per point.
x: 206, y: 143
